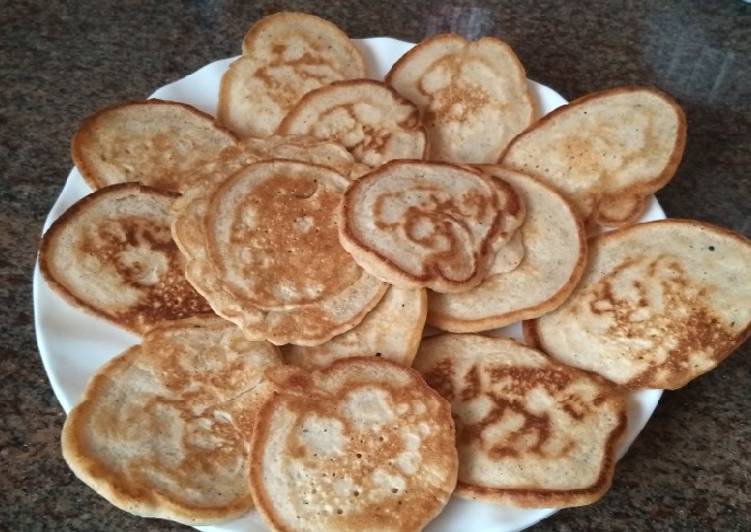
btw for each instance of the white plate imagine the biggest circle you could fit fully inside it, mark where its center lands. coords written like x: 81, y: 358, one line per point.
x: 74, y: 344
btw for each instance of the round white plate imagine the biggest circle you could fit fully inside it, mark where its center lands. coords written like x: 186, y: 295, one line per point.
x: 74, y: 344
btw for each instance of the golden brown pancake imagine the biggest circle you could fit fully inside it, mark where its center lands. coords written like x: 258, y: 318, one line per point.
x: 285, y: 56
x: 473, y: 95
x: 367, y: 117
x: 364, y: 444
x: 162, y: 430
x: 659, y: 304
x: 606, y: 152
x: 154, y: 142
x: 530, y: 433
x: 112, y: 254
x: 416, y: 224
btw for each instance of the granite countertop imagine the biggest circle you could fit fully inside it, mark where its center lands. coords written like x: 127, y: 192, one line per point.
x: 691, y: 467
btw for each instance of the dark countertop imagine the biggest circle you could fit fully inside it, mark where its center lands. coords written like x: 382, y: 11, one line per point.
x: 691, y: 467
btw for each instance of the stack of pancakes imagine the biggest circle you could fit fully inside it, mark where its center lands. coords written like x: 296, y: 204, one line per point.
x: 282, y: 263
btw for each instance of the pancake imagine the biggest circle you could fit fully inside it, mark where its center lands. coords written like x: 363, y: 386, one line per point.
x: 530, y: 433
x: 367, y: 117
x: 153, y: 142
x: 392, y: 330
x: 162, y: 429
x: 473, y: 96
x: 659, y: 304
x: 112, y: 255
x: 285, y: 56
x: 606, y: 152
x: 271, y: 261
x: 554, y: 254
x: 364, y: 444
x: 415, y: 224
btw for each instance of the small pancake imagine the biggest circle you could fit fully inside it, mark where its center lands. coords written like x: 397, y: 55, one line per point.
x: 364, y: 444
x: 606, y: 152
x: 367, y: 117
x: 392, y: 330
x: 473, y: 96
x: 162, y: 429
x: 435, y: 225
x: 659, y: 304
x: 153, y: 142
x: 112, y: 255
x: 271, y: 261
x: 553, y: 261
x: 530, y: 433
x: 285, y: 56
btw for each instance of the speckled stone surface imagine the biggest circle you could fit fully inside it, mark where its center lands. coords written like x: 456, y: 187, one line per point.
x: 689, y: 470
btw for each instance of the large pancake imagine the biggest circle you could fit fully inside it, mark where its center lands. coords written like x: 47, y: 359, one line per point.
x: 364, y: 444
x: 606, y: 152
x: 153, y: 142
x: 112, y: 255
x: 162, y: 430
x: 271, y: 259
x: 285, y: 56
x: 367, y: 117
x: 553, y: 261
x: 530, y: 433
x: 436, y: 225
x: 473, y: 96
x: 392, y: 330
x: 659, y: 304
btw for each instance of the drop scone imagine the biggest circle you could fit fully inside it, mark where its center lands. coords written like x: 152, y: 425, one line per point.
x: 367, y: 117
x: 392, y: 330
x: 530, y: 433
x: 162, y: 430
x: 606, y: 152
x: 436, y: 225
x: 112, y: 254
x: 153, y: 142
x: 552, y: 260
x: 364, y: 444
x: 659, y: 304
x: 285, y: 56
x: 270, y: 258
x: 473, y: 95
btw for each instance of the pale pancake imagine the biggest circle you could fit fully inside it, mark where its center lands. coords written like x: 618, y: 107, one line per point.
x: 606, y: 152
x: 553, y: 261
x: 436, y: 225
x: 364, y: 444
x: 473, y: 95
x: 659, y: 304
x: 153, y: 142
x: 271, y: 261
x: 392, y: 330
x: 367, y: 117
x: 112, y: 254
x: 530, y: 433
x: 285, y: 56
x: 162, y: 430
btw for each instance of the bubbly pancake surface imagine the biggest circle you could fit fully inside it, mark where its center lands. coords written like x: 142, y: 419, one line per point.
x: 364, y: 444
x: 659, y: 304
x: 473, y: 96
x: 530, y: 432
x: 153, y: 142
x: 163, y: 429
x: 392, y: 331
x: 285, y: 56
x: 435, y: 225
x: 522, y: 284
x: 606, y: 152
x: 112, y: 254
x: 367, y: 117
